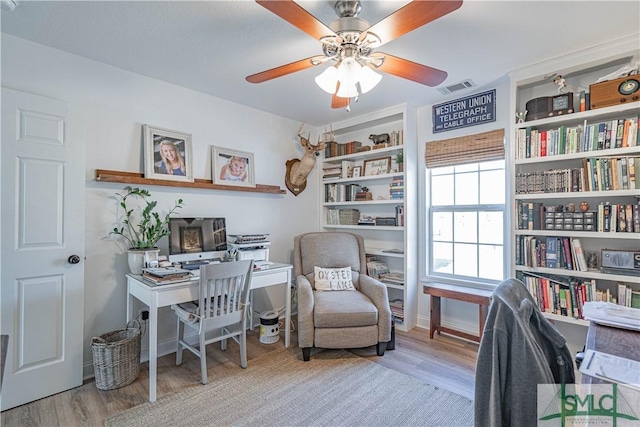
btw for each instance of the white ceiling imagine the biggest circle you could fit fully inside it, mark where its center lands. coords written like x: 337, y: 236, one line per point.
x: 211, y: 46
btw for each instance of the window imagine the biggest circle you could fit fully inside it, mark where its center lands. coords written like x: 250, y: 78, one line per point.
x: 466, y: 215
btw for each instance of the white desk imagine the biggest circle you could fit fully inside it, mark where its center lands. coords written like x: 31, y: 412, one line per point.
x: 156, y: 296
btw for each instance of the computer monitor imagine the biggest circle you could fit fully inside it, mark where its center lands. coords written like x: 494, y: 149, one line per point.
x: 196, y: 239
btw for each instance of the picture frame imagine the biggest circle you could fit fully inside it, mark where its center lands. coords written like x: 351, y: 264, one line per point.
x: 151, y: 258
x: 379, y: 166
x: 232, y: 167
x: 357, y: 171
x: 163, y: 146
x: 191, y: 239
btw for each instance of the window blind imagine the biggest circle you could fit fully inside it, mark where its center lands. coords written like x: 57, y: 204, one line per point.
x: 476, y: 148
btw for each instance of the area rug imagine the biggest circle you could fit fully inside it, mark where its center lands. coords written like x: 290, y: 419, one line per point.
x: 335, y: 388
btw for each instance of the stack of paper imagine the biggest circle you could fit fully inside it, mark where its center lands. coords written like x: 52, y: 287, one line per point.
x: 610, y: 314
x: 611, y: 368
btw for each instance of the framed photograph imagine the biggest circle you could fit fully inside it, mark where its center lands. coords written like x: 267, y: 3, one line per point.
x: 357, y: 171
x: 232, y: 167
x: 379, y: 166
x: 151, y: 258
x: 167, y: 154
x: 191, y: 239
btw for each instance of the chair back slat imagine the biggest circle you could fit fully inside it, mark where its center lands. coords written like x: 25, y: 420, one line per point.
x: 224, y: 292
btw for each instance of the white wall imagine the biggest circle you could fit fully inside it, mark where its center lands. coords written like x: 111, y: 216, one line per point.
x: 117, y: 103
x: 458, y: 315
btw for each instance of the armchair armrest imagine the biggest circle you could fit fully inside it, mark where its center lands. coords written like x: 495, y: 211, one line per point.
x: 305, y: 312
x: 377, y: 293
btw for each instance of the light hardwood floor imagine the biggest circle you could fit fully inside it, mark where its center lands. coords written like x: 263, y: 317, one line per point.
x: 445, y: 362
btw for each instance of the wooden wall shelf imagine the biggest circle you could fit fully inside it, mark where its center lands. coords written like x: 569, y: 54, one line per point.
x: 206, y: 184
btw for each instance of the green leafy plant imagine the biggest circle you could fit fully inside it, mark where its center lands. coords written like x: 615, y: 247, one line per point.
x: 399, y: 157
x: 150, y: 226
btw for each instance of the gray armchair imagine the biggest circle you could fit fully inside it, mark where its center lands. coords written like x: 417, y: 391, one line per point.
x: 339, y: 319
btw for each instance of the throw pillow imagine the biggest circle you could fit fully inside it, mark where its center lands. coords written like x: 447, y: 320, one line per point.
x: 333, y: 279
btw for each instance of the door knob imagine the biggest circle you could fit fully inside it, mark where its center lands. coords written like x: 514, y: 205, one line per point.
x: 74, y: 259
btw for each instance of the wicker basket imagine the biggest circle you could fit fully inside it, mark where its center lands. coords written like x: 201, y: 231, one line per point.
x: 116, y: 357
x: 349, y: 216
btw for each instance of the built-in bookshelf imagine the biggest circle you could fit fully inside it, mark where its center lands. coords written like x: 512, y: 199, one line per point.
x: 367, y: 191
x: 575, y: 191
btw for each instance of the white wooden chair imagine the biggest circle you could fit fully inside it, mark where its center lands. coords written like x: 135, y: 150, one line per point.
x: 222, y: 307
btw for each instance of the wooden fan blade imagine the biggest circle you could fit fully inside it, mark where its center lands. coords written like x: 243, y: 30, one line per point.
x: 337, y: 102
x: 412, y: 71
x: 297, y: 16
x: 408, y: 18
x: 280, y: 71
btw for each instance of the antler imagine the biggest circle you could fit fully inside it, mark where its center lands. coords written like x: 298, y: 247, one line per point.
x: 303, y: 141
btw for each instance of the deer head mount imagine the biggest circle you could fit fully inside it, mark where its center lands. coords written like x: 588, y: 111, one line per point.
x: 299, y: 169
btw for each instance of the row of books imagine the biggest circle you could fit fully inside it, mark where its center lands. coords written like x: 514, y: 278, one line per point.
x: 595, y: 174
x: 619, y: 133
x: 550, y: 252
x: 608, y: 218
x: 618, y: 218
x: 337, y: 171
x: 396, y: 137
x: 558, y: 297
x: 341, y: 192
x: 566, y: 296
x: 627, y: 296
x: 396, y: 187
x: 334, y: 148
x: 397, y: 310
x: 392, y: 278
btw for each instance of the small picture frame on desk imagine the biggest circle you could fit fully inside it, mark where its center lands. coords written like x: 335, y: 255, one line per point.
x: 379, y: 166
x: 151, y: 259
x: 357, y: 170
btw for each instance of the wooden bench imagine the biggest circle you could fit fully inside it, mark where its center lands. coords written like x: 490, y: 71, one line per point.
x: 481, y: 297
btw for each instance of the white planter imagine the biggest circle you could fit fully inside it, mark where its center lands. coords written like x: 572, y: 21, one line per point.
x: 137, y: 258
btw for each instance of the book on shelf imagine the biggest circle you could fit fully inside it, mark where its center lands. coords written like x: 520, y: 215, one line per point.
x: 333, y: 217
x: 393, y: 251
x: 578, y: 254
x: 376, y: 268
x: 397, y: 309
x: 393, y: 277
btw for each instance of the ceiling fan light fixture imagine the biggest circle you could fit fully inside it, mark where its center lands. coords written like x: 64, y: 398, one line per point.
x: 368, y: 79
x: 347, y: 90
x: 328, y: 79
x: 349, y: 71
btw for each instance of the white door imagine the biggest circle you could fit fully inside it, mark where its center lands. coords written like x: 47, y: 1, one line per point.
x: 42, y: 204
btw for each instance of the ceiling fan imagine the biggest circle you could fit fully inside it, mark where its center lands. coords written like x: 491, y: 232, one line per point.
x: 350, y: 42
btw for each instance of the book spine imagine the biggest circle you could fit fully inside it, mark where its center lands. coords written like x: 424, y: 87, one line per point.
x: 567, y: 253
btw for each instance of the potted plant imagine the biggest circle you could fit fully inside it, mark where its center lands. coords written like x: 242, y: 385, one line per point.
x: 400, y: 161
x: 142, y: 228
